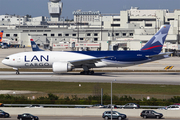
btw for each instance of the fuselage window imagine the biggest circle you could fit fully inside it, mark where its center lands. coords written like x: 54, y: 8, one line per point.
x: 7, y: 58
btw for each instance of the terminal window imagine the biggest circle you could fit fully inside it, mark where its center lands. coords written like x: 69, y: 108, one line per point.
x: 7, y: 35
x: 66, y: 34
x: 59, y: 34
x: 170, y: 19
x: 131, y: 34
x: 45, y: 34
x: 74, y: 34
x: 115, y: 25
x: 116, y: 19
x: 47, y: 31
x: 95, y: 34
x: 124, y: 34
x: 52, y: 34
x: 88, y: 34
x: 117, y: 34
x: 95, y: 39
x: 15, y: 35
x: 148, y: 25
x: 81, y: 38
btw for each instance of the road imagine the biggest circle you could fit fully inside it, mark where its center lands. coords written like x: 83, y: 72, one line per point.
x: 171, y: 78
x: 80, y: 118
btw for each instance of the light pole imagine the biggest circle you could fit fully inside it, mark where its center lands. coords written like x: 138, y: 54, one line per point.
x: 112, y: 25
x: 178, y: 42
x: 101, y: 27
x: 111, y: 97
x: 157, y: 24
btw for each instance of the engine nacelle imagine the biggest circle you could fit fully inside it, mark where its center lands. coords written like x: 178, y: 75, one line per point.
x: 61, y: 67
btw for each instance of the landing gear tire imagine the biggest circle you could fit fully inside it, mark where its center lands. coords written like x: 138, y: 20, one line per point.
x: 92, y: 72
x: 17, y: 72
x: 82, y: 73
x: 87, y: 72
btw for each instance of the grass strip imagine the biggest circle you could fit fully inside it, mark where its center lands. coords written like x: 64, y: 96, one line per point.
x: 88, y: 88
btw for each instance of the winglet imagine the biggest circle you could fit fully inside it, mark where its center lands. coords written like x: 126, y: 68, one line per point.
x: 35, y: 46
x: 155, y: 44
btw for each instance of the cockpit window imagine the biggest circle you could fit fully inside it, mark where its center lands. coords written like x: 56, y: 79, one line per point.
x: 7, y: 58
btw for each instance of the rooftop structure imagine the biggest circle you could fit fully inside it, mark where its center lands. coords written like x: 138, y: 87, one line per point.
x: 86, y: 16
x: 55, y: 8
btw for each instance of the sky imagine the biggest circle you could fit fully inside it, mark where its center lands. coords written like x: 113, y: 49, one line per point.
x: 40, y: 8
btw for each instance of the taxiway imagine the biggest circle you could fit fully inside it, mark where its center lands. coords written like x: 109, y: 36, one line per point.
x: 171, y: 78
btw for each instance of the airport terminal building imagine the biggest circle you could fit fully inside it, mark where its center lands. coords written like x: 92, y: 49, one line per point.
x: 91, y: 30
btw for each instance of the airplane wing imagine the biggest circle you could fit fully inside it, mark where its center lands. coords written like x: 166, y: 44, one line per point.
x: 88, y: 61
x: 159, y: 55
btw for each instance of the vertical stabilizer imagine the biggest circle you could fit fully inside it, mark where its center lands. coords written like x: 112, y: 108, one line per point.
x: 156, y: 43
x: 1, y: 35
x: 35, y: 46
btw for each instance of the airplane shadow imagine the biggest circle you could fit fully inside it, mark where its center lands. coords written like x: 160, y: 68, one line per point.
x: 64, y: 74
x: 111, y: 74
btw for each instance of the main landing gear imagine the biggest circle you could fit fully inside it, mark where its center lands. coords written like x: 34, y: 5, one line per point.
x: 86, y: 71
x: 89, y: 72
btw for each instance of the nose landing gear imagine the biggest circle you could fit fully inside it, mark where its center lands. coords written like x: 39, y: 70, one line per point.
x: 17, y: 70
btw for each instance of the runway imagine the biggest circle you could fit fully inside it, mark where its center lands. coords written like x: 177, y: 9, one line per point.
x: 171, y: 78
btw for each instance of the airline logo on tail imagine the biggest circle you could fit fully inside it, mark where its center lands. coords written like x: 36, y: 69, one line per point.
x: 1, y: 35
x: 34, y: 46
x: 157, y: 41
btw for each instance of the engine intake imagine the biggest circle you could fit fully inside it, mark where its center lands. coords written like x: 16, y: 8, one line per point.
x: 61, y: 67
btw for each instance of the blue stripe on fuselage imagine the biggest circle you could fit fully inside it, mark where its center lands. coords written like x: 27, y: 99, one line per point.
x: 125, y: 56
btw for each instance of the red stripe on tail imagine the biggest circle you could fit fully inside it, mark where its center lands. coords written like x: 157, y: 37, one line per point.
x: 152, y: 47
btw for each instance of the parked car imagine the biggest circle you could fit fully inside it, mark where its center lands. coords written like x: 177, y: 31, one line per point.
x: 130, y: 106
x: 98, y: 106
x: 35, y: 106
x: 115, y: 115
x: 173, y: 107
x: 4, y: 114
x: 113, y: 106
x: 151, y: 114
x: 1, y: 105
x: 162, y: 108
x: 27, y: 116
x: 4, y: 47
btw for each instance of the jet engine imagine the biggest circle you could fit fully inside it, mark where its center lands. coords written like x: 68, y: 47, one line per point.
x: 61, y: 67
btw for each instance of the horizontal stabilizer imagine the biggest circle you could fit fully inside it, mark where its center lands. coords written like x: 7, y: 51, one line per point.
x: 160, y: 54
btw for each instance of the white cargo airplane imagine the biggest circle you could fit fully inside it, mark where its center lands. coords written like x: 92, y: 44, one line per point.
x: 62, y: 62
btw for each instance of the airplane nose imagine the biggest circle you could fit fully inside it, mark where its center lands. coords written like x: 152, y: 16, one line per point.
x: 4, y: 62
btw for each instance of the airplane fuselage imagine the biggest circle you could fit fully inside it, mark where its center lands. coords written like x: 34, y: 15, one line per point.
x: 45, y: 59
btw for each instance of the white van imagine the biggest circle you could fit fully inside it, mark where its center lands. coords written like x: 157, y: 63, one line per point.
x: 173, y: 107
